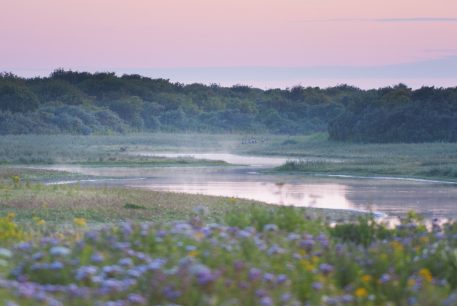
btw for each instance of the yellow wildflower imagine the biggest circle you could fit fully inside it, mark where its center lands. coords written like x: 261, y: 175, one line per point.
x: 9, y: 229
x: 79, y: 222
x: 232, y: 201
x: 199, y: 235
x: 16, y: 179
x: 411, y: 282
x: 397, y: 246
x: 426, y: 274
x: 41, y: 222
x: 193, y: 253
x: 307, y: 265
x: 361, y: 292
x: 424, y: 239
x: 367, y: 278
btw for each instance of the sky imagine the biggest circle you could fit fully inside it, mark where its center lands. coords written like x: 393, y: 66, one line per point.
x: 262, y: 43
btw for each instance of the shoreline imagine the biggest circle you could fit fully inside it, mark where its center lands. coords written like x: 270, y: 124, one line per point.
x: 54, y: 177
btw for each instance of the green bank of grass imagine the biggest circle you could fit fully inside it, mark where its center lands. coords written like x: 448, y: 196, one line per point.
x: 315, y: 155
x: 446, y: 172
x: 144, y: 161
x: 26, y: 176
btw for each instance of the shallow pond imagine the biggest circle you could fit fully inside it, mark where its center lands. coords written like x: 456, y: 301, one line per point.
x: 392, y: 196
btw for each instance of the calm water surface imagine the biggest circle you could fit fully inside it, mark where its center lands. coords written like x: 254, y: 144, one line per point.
x: 388, y: 195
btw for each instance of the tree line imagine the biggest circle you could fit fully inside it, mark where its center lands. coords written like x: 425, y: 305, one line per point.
x: 88, y: 103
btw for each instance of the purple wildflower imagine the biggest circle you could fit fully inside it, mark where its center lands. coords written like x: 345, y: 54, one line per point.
x: 268, y: 277
x: 282, y: 278
x: 347, y: 299
x: 307, y: 244
x: 275, y: 249
x: 156, y: 264
x: 238, y: 265
x: 97, y: 258
x: 260, y: 293
x: 59, y: 251
x: 91, y: 235
x: 24, y: 246
x: 317, y: 286
x: 270, y: 228
x: 37, y: 256
x: 85, y: 272
x: 136, y: 299
x: 170, y: 293
x: 126, y: 262
x: 266, y: 301
x: 384, y: 278
x: 205, y: 277
x: 293, y: 236
x: 49, y: 241
x: 440, y: 235
x: 326, y: 268
x: 56, y: 265
x: 243, y: 234
x: 254, y: 274
x: 285, y: 297
x: 121, y: 245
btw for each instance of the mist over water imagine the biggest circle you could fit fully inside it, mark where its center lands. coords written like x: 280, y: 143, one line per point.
x: 247, y: 179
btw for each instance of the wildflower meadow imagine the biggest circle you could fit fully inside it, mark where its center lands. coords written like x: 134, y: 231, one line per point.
x: 292, y: 260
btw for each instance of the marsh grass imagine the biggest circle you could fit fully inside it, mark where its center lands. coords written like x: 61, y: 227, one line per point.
x: 437, y: 160
x: 52, y: 149
x: 433, y: 160
x: 146, y: 161
x: 133, y: 206
x: 347, y: 167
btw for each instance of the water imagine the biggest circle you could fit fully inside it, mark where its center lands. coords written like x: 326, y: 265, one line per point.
x: 251, y: 161
x: 246, y: 160
x: 392, y: 196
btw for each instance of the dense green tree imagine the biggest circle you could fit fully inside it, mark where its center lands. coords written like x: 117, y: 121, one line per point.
x: 16, y: 98
x: 102, y: 102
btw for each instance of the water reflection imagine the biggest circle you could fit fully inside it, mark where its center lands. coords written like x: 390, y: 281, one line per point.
x: 303, y: 195
x: 252, y: 161
x: 430, y: 199
x: 394, y: 197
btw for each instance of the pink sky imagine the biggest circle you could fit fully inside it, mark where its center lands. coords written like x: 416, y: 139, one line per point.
x: 115, y: 35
